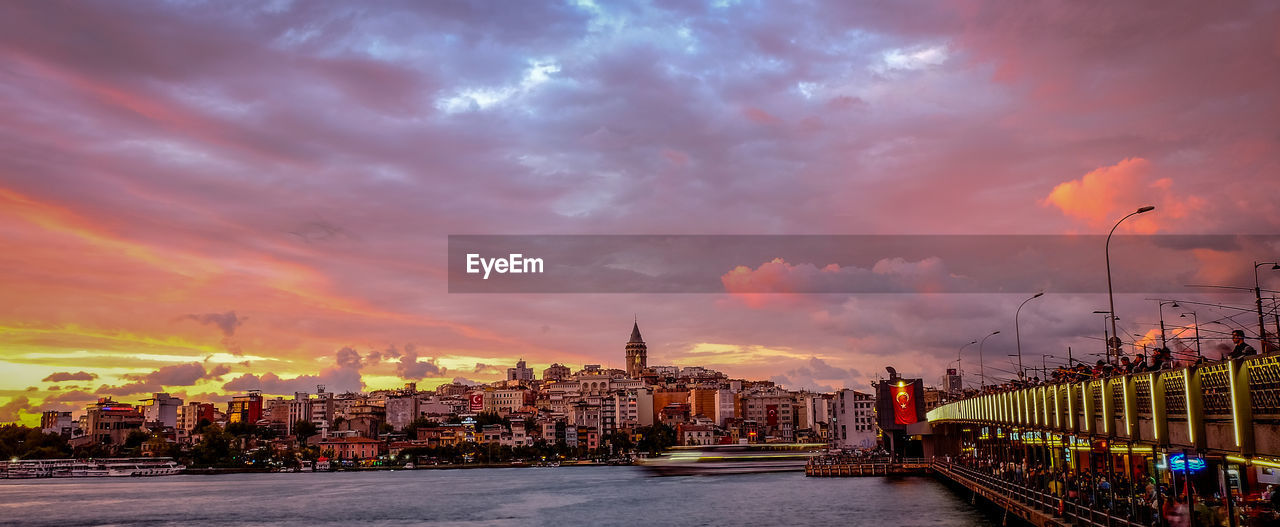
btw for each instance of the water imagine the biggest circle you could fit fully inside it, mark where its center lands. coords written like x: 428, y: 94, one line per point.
x: 516, y: 497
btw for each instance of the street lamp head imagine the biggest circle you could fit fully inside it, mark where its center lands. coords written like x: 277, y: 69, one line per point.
x: 996, y: 332
x: 1275, y: 267
x: 1174, y: 304
x: 1038, y: 295
x: 1147, y: 208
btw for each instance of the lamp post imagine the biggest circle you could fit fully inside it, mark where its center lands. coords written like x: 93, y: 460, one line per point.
x: 982, y: 372
x: 1106, y: 338
x: 1257, y: 293
x: 959, y: 369
x: 1195, y: 320
x: 1110, y: 294
x: 1164, y: 343
x: 1017, y: 335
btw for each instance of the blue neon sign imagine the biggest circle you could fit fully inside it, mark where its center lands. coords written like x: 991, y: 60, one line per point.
x: 1179, y: 463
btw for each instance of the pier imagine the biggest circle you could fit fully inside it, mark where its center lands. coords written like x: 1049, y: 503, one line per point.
x: 825, y: 467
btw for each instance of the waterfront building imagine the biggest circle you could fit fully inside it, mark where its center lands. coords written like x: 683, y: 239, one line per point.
x: 637, y: 353
x: 665, y: 397
x: 402, y: 410
x: 726, y: 406
x: 853, y: 419
x: 275, y: 415
x: 696, y: 434
x: 245, y: 408
x: 190, y: 415
x: 520, y: 372
x: 556, y: 372
x: 702, y: 402
x: 505, y: 401
x: 299, y: 410
x: 108, y: 422
x: 774, y: 409
x: 353, y: 448
x: 57, y: 423
x: 633, y: 408
x: 161, y: 408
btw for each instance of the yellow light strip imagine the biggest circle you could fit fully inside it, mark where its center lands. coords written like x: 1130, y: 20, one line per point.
x: 1186, y: 401
x: 1235, y: 408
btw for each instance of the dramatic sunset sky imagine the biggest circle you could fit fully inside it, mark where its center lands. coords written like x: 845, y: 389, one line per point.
x: 205, y: 198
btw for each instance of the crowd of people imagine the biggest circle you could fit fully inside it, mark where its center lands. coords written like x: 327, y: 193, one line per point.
x: 1158, y: 360
x: 1140, y: 500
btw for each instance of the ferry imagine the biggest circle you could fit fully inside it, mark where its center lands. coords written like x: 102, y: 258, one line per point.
x: 733, y: 459
x: 84, y: 468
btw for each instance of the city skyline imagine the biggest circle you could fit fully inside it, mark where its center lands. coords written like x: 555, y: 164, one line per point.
x: 204, y: 200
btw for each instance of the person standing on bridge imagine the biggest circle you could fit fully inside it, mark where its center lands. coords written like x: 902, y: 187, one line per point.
x: 1242, y: 349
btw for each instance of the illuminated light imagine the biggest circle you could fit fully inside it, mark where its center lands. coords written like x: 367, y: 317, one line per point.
x: 1238, y: 459
x: 1235, y: 408
x: 1151, y: 387
x: 1186, y: 396
x: 1128, y: 419
x: 1268, y: 464
x: 1179, y: 463
x: 901, y: 384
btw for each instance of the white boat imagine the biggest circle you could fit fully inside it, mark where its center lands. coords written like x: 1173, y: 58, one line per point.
x: 733, y: 459
x: 87, y: 468
x: 141, y: 468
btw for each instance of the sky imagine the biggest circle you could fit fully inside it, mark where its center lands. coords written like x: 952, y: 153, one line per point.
x: 204, y: 198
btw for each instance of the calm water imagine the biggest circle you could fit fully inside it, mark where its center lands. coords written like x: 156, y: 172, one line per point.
x: 518, y: 497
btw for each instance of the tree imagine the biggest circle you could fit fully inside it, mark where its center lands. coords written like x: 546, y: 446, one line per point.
x: 31, y: 443
x: 304, y: 429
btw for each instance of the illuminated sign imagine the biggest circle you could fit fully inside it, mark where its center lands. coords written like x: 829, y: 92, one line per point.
x: 1179, y: 463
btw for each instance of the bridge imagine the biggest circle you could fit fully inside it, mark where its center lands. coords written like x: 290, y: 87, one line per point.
x: 1208, y: 436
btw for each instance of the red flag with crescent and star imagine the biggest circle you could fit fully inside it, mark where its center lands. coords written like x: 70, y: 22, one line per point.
x: 904, y: 404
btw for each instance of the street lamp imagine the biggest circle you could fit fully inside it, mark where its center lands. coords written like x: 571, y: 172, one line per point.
x: 960, y: 370
x: 1195, y: 320
x: 1164, y: 343
x: 1110, y: 294
x: 1018, y: 334
x: 1257, y: 293
x: 982, y: 372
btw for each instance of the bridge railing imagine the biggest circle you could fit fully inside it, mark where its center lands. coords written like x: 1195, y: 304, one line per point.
x: 1045, y: 502
x: 1212, y: 406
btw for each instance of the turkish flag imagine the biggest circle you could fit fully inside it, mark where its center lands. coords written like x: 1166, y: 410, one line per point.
x: 771, y: 414
x: 904, y: 404
x: 477, y: 401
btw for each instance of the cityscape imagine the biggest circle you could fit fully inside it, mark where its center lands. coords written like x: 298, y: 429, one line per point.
x: 588, y: 414
x: 947, y: 263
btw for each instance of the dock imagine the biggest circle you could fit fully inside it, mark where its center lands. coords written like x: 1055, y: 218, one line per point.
x: 822, y: 467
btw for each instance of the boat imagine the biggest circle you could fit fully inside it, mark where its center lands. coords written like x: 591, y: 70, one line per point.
x: 733, y: 459
x: 86, y: 468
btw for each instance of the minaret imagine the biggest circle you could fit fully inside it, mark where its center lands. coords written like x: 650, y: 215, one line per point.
x: 637, y: 353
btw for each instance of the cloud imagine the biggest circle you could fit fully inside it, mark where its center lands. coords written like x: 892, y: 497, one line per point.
x: 348, y: 358
x: 343, y: 377
x: 411, y: 368
x: 1106, y: 194
x: 129, y: 389
x: 466, y: 381
x: 815, y: 375
x: 185, y: 374
x: 67, y: 376
x: 487, y: 368
x: 755, y: 286
x: 11, y: 411
x: 227, y: 322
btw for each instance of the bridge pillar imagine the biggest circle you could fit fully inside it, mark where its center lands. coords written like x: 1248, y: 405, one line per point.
x: 1241, y: 405
x: 1159, y: 415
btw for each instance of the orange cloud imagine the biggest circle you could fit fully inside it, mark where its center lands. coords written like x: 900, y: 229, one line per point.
x: 1106, y: 194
